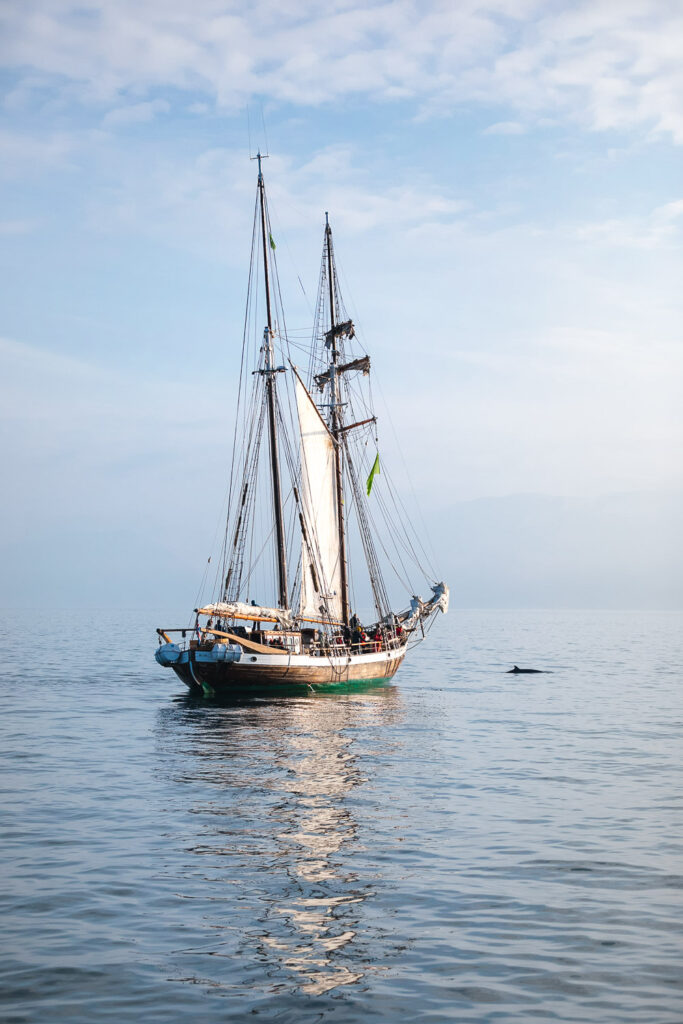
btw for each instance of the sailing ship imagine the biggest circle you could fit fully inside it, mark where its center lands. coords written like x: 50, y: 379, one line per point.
x: 306, y: 517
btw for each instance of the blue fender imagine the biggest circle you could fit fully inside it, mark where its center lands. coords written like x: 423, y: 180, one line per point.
x: 226, y: 652
x: 168, y: 654
x: 173, y: 654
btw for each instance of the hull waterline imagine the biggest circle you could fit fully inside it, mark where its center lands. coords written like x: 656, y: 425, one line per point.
x: 287, y: 673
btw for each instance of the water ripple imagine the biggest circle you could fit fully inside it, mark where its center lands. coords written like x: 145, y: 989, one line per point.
x: 464, y: 845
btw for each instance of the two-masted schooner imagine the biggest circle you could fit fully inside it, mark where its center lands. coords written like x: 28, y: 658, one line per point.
x: 303, y: 502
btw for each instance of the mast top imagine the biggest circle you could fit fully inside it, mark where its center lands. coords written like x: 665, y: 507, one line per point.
x: 259, y: 156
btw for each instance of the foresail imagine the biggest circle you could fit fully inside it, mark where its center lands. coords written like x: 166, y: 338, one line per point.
x: 321, y: 582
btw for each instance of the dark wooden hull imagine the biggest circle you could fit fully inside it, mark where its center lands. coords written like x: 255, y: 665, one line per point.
x: 244, y: 677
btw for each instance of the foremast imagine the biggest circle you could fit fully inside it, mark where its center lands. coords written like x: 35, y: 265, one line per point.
x: 269, y: 373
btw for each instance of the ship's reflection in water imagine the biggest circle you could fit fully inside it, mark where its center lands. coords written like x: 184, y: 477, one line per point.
x: 280, y: 790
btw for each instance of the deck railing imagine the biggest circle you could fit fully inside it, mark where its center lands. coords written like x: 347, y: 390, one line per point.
x: 332, y: 648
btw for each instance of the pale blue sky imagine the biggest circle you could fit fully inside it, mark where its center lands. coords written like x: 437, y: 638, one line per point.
x: 504, y: 180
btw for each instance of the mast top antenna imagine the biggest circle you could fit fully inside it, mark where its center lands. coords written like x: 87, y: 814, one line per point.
x: 260, y: 156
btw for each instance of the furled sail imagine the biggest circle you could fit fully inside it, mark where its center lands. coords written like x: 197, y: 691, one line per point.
x: 420, y: 609
x: 321, y: 581
x: 241, y: 610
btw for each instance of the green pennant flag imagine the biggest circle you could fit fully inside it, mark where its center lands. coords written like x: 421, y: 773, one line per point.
x: 373, y: 472
x: 272, y: 243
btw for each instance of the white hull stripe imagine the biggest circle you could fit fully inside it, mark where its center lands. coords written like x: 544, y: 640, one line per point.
x: 306, y: 661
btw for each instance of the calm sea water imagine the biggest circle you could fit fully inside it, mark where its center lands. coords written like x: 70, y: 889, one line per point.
x: 464, y: 845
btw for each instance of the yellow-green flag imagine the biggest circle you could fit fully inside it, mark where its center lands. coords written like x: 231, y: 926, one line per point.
x: 272, y: 243
x: 373, y: 472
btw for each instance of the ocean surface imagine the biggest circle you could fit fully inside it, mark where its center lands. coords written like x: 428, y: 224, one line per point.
x: 464, y: 845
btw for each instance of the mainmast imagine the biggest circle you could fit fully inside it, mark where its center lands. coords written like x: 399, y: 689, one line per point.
x: 336, y: 430
x: 269, y: 372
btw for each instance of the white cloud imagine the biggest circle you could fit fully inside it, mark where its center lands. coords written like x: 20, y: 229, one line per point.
x: 135, y: 113
x: 505, y: 128
x: 206, y: 203
x: 659, y: 229
x: 607, y: 65
x: 670, y: 212
x: 24, y: 154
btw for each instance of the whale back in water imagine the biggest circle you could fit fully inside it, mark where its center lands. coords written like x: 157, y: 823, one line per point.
x: 522, y: 671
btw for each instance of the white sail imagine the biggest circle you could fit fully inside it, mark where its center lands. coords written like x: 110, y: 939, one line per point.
x: 420, y: 609
x: 320, y: 562
x: 241, y: 610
